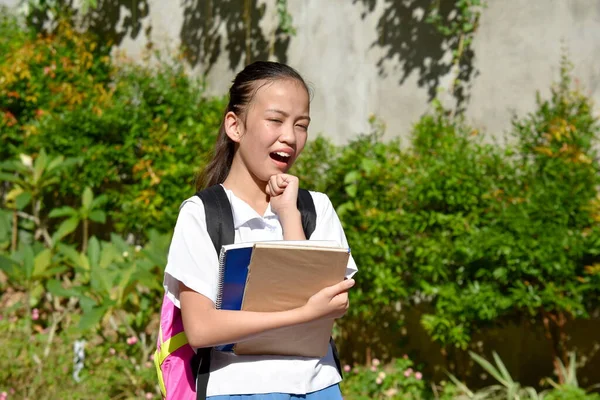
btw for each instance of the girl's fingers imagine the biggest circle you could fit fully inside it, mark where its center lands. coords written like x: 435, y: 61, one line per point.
x: 282, y: 180
x: 276, y: 187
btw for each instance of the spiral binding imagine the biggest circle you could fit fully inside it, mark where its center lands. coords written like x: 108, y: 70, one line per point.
x: 221, y: 280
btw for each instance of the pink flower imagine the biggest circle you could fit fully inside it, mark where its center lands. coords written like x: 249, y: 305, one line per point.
x: 113, y: 351
x: 378, y: 381
x: 35, y: 314
x: 148, y: 364
x: 3, y: 396
x: 407, y: 372
x: 373, y: 368
x: 152, y: 357
x: 149, y: 395
x: 418, y: 375
x: 132, y: 340
x: 347, y: 368
x: 376, y: 362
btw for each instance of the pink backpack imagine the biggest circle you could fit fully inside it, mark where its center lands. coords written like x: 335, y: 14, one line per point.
x: 173, y: 356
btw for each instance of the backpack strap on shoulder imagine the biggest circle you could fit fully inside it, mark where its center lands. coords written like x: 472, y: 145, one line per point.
x: 219, y: 224
x: 308, y: 213
x: 219, y: 217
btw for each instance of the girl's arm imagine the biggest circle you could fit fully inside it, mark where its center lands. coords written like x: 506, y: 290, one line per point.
x: 283, y: 190
x: 206, y: 326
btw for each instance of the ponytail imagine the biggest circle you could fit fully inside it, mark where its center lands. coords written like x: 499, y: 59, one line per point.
x: 218, y: 167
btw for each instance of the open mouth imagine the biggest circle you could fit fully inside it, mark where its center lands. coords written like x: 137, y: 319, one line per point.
x: 280, y: 157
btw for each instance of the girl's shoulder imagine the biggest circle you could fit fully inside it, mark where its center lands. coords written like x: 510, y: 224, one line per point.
x: 322, y: 202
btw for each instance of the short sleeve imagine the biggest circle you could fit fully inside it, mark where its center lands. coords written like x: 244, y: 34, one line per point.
x: 329, y: 227
x: 192, y: 258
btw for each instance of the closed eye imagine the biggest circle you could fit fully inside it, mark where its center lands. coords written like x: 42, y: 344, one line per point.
x: 304, y: 127
x: 276, y: 120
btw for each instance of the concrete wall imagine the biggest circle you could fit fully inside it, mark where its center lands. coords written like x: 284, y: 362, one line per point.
x: 366, y: 57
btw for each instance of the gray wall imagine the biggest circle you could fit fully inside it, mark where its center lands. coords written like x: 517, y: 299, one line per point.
x: 366, y: 57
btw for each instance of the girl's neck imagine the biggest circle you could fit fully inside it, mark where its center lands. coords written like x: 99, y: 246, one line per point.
x: 247, y: 187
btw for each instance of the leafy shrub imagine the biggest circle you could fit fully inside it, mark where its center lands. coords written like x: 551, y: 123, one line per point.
x: 141, y: 133
x: 43, y: 368
x: 397, y: 380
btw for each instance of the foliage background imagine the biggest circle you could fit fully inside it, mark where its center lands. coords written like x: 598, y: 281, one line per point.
x: 457, y: 234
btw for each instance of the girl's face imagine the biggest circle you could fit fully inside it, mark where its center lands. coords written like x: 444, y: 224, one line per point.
x: 275, y: 128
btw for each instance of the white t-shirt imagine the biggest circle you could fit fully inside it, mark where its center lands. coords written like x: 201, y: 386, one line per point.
x: 193, y: 261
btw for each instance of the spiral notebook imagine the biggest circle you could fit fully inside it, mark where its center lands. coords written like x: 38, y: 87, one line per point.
x: 279, y: 276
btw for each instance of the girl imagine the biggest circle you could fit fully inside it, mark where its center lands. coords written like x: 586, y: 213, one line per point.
x: 263, y: 131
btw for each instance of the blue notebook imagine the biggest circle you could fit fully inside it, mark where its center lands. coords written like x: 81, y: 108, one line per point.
x: 234, y: 263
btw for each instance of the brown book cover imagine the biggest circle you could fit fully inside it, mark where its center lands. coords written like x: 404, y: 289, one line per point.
x: 282, y: 277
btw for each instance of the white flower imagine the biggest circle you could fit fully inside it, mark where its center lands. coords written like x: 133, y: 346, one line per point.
x: 138, y: 248
x: 125, y: 254
x: 26, y: 160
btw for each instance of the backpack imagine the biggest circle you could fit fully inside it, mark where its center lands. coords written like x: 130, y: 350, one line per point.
x: 182, y: 373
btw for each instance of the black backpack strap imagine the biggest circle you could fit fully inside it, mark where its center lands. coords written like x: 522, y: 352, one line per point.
x: 219, y: 224
x: 306, y: 206
x: 308, y: 213
x: 219, y: 217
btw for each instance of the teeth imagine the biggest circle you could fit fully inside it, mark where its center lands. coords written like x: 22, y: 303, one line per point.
x: 282, y: 154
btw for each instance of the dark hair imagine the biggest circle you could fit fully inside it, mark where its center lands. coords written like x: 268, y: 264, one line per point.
x: 241, y: 93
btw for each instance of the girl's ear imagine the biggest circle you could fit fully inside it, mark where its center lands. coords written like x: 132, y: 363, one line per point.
x: 233, y: 127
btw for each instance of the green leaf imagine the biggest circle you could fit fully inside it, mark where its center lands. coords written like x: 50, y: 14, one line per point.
x: 489, y: 368
x: 94, y: 251
x: 99, y: 201
x: 87, y: 303
x: 67, y: 227
x: 98, y: 216
x: 62, y: 212
x: 351, y: 177
x: 56, y: 162
x: 56, y: 288
x: 39, y: 165
x: 69, y: 162
x: 28, y: 260
x: 42, y: 262
x: 87, y: 198
x: 68, y: 251
x: 368, y: 165
x: 8, y: 177
x: 22, y: 200
x: 351, y: 190
x: 502, y: 368
x: 91, y: 318
x: 7, y: 264
x: 108, y: 255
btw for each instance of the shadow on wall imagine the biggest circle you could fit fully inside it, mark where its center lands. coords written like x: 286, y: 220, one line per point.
x: 113, y: 20
x: 414, y: 45
x: 210, y: 26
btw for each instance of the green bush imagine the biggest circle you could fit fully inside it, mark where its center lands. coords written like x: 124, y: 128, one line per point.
x: 397, y: 380
x: 141, y: 133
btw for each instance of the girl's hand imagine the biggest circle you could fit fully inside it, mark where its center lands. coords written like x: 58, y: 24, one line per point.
x: 331, y: 302
x: 283, y: 190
